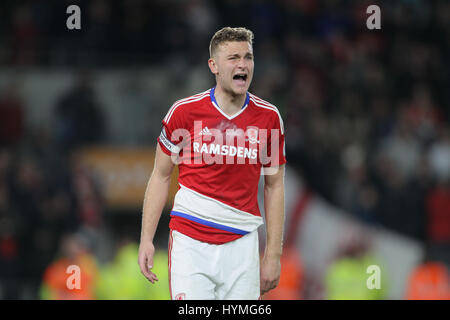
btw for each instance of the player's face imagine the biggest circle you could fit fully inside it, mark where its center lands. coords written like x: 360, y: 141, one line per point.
x: 233, y: 66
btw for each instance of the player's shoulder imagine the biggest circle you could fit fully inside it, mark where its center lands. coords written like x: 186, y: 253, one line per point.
x: 267, y: 107
x: 192, y: 99
x: 261, y: 103
x: 182, y: 105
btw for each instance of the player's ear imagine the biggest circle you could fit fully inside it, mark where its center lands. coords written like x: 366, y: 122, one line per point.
x: 212, y: 66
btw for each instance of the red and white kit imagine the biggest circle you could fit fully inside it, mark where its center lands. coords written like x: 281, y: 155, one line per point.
x: 220, y: 158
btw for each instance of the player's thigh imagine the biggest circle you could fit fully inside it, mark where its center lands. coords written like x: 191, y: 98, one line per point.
x: 245, y: 287
x: 191, y: 287
x: 188, y: 272
x: 240, y: 275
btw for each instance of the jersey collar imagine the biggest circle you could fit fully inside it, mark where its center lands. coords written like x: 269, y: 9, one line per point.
x: 213, y: 98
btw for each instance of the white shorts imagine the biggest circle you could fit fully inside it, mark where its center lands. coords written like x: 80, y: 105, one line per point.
x: 204, y: 271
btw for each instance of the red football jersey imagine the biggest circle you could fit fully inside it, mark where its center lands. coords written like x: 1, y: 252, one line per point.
x: 220, y: 158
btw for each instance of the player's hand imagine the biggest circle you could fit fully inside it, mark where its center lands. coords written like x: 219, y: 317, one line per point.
x: 145, y: 260
x: 269, y: 273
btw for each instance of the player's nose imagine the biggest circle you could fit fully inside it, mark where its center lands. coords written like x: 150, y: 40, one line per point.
x: 242, y: 64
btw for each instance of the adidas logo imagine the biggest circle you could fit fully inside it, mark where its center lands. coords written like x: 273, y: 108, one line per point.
x: 205, y: 132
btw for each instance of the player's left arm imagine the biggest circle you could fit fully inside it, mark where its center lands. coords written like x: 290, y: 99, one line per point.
x: 274, y: 214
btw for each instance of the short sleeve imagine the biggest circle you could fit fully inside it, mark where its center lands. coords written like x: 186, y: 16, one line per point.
x: 276, y: 150
x: 174, y: 131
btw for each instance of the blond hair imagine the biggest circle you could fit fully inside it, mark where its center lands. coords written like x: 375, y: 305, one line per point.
x: 229, y: 34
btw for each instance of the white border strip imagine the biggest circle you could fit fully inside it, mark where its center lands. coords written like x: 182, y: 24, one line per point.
x: 203, y: 207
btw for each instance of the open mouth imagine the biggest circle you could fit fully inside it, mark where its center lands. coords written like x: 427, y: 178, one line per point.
x: 240, y: 78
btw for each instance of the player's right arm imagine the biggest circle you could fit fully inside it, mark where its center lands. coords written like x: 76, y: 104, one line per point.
x: 154, y: 201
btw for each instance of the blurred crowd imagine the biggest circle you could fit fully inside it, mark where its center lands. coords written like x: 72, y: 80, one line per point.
x: 367, y: 115
x: 43, y: 196
x: 366, y: 112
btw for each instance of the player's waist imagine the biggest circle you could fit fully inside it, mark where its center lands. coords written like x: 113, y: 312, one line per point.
x: 205, y: 210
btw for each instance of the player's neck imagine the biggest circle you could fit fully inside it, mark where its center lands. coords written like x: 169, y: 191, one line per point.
x: 230, y: 104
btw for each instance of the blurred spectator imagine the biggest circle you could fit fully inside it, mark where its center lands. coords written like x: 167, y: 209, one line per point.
x: 201, y: 22
x: 398, y: 208
x: 37, y: 242
x: 122, y: 279
x: 382, y: 121
x: 9, y: 240
x: 346, y: 277
x: 403, y: 150
x: 97, y: 36
x: 429, y: 281
x: 422, y: 115
x: 12, y: 122
x: 79, y: 118
x: 88, y: 206
x: 59, y: 281
x: 438, y: 210
x: 290, y: 286
x: 25, y: 36
x: 439, y: 155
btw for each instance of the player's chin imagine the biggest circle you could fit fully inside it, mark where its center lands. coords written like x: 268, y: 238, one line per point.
x: 240, y: 89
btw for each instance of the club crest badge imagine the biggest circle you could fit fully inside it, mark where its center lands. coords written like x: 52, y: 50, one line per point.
x: 252, y: 134
x: 180, y: 296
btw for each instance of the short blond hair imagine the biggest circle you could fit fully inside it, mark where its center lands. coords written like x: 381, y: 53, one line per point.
x: 229, y: 34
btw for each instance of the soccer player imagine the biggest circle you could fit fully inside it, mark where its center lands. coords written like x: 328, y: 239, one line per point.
x: 222, y: 139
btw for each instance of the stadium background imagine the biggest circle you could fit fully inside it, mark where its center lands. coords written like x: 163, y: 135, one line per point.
x: 367, y: 139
